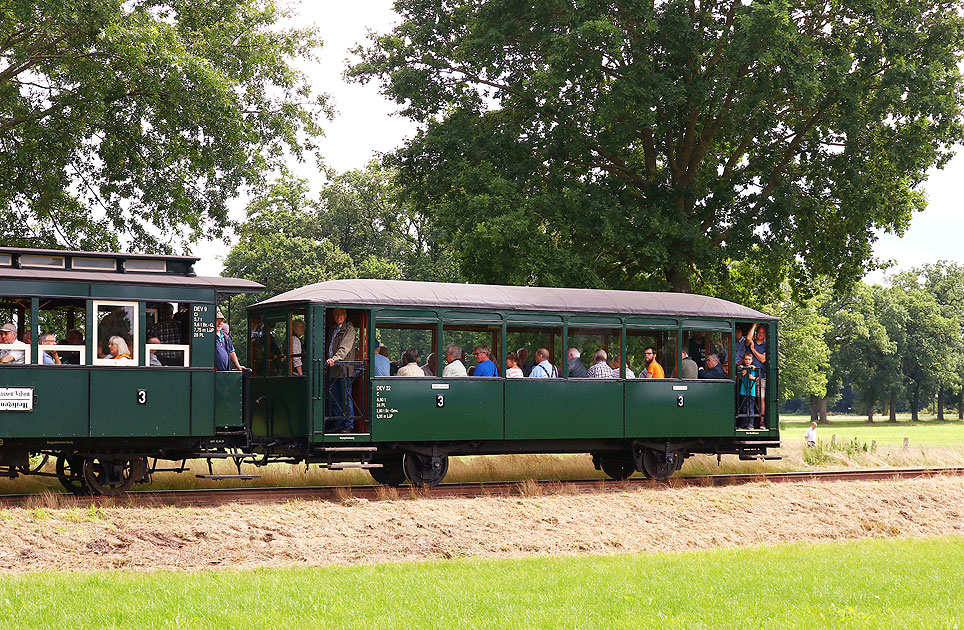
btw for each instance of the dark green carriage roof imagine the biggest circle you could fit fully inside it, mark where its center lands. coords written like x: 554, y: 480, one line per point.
x: 496, y: 297
x: 227, y: 285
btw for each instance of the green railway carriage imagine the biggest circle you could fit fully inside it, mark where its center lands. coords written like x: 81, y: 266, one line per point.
x: 407, y: 427
x: 102, y: 416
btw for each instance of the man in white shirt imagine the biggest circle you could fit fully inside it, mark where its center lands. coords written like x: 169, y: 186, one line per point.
x: 811, y: 435
x: 8, y: 336
x: 453, y: 358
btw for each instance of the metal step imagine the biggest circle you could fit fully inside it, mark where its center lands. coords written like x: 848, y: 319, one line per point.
x: 217, y: 477
x: 340, y: 449
x: 216, y: 432
x: 177, y: 470
x: 342, y: 466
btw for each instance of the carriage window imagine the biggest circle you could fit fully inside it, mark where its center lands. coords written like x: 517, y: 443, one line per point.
x: 394, y: 339
x: 168, y: 334
x: 468, y: 337
x: 651, y: 352
x: 525, y: 341
x: 16, y: 311
x: 115, y: 329
x: 277, y: 337
x: 587, y: 341
x: 700, y: 345
x: 62, y: 332
x: 296, y: 351
x: 257, y: 348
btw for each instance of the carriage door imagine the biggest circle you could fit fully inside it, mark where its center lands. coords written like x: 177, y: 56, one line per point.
x: 339, y: 393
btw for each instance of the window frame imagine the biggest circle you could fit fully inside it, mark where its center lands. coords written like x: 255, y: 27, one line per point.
x: 135, y: 333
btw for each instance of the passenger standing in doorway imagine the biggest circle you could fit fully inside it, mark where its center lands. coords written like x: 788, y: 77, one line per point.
x: 297, y: 346
x: 224, y: 354
x: 758, y: 347
x: 341, y: 341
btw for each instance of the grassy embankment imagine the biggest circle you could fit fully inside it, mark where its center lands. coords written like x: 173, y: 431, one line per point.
x: 931, y: 443
x: 865, y: 584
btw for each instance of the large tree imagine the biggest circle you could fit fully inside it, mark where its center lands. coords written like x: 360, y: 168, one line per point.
x: 654, y: 144
x: 132, y: 123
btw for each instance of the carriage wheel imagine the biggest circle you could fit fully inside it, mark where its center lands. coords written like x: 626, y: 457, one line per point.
x: 70, y: 474
x: 656, y: 466
x: 112, y: 477
x: 618, y: 469
x: 422, y: 472
x: 392, y: 472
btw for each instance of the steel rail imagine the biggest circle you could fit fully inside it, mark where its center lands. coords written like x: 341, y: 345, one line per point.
x: 223, y: 496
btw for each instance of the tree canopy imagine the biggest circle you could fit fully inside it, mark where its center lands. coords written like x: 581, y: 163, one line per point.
x: 657, y: 144
x: 132, y: 123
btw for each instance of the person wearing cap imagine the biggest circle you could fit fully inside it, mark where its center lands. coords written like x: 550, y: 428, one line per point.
x: 8, y: 336
x: 224, y: 354
x: 381, y: 366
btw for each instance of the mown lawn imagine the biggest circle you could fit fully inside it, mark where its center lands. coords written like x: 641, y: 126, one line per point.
x: 865, y: 584
x: 926, y: 432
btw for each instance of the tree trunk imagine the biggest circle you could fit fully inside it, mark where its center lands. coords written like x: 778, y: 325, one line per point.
x: 870, y: 413
x: 679, y: 279
x: 893, y: 408
x: 914, y: 404
x: 940, y: 403
x: 814, y: 409
x: 960, y: 406
x: 823, y: 411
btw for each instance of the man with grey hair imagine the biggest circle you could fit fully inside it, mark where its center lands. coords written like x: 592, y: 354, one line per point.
x: 8, y: 336
x: 543, y: 367
x: 713, y: 368
x: 453, y: 360
x: 49, y: 357
x: 600, y: 368
x: 576, y: 368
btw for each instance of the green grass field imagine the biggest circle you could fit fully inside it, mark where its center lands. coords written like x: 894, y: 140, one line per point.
x: 865, y: 584
x: 926, y: 432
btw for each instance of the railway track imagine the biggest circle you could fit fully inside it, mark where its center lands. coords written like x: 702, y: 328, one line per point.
x: 215, y: 497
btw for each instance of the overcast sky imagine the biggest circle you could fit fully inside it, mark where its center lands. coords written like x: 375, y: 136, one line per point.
x: 365, y: 125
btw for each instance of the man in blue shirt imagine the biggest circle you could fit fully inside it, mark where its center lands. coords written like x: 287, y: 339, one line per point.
x: 382, y: 366
x: 484, y: 366
x: 224, y: 353
x: 713, y: 368
x: 50, y: 357
x: 543, y: 368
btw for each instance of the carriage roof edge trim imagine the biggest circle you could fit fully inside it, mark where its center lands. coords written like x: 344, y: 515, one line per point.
x: 369, y: 292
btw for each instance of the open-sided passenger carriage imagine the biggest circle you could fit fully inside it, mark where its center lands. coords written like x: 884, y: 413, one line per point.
x: 406, y: 428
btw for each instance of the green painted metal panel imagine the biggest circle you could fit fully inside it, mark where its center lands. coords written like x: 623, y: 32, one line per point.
x: 227, y: 399
x: 594, y: 320
x: 278, y: 407
x: 115, y: 410
x: 652, y: 323
x: 533, y: 318
x: 203, y: 335
x: 60, y: 402
x: 203, y: 402
x: 540, y: 409
x: 708, y: 324
x: 470, y: 316
x: 142, y: 292
x: 405, y: 315
x: 408, y: 409
x: 45, y: 288
x: 652, y: 408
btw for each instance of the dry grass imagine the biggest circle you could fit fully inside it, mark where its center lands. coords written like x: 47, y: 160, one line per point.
x: 304, y: 533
